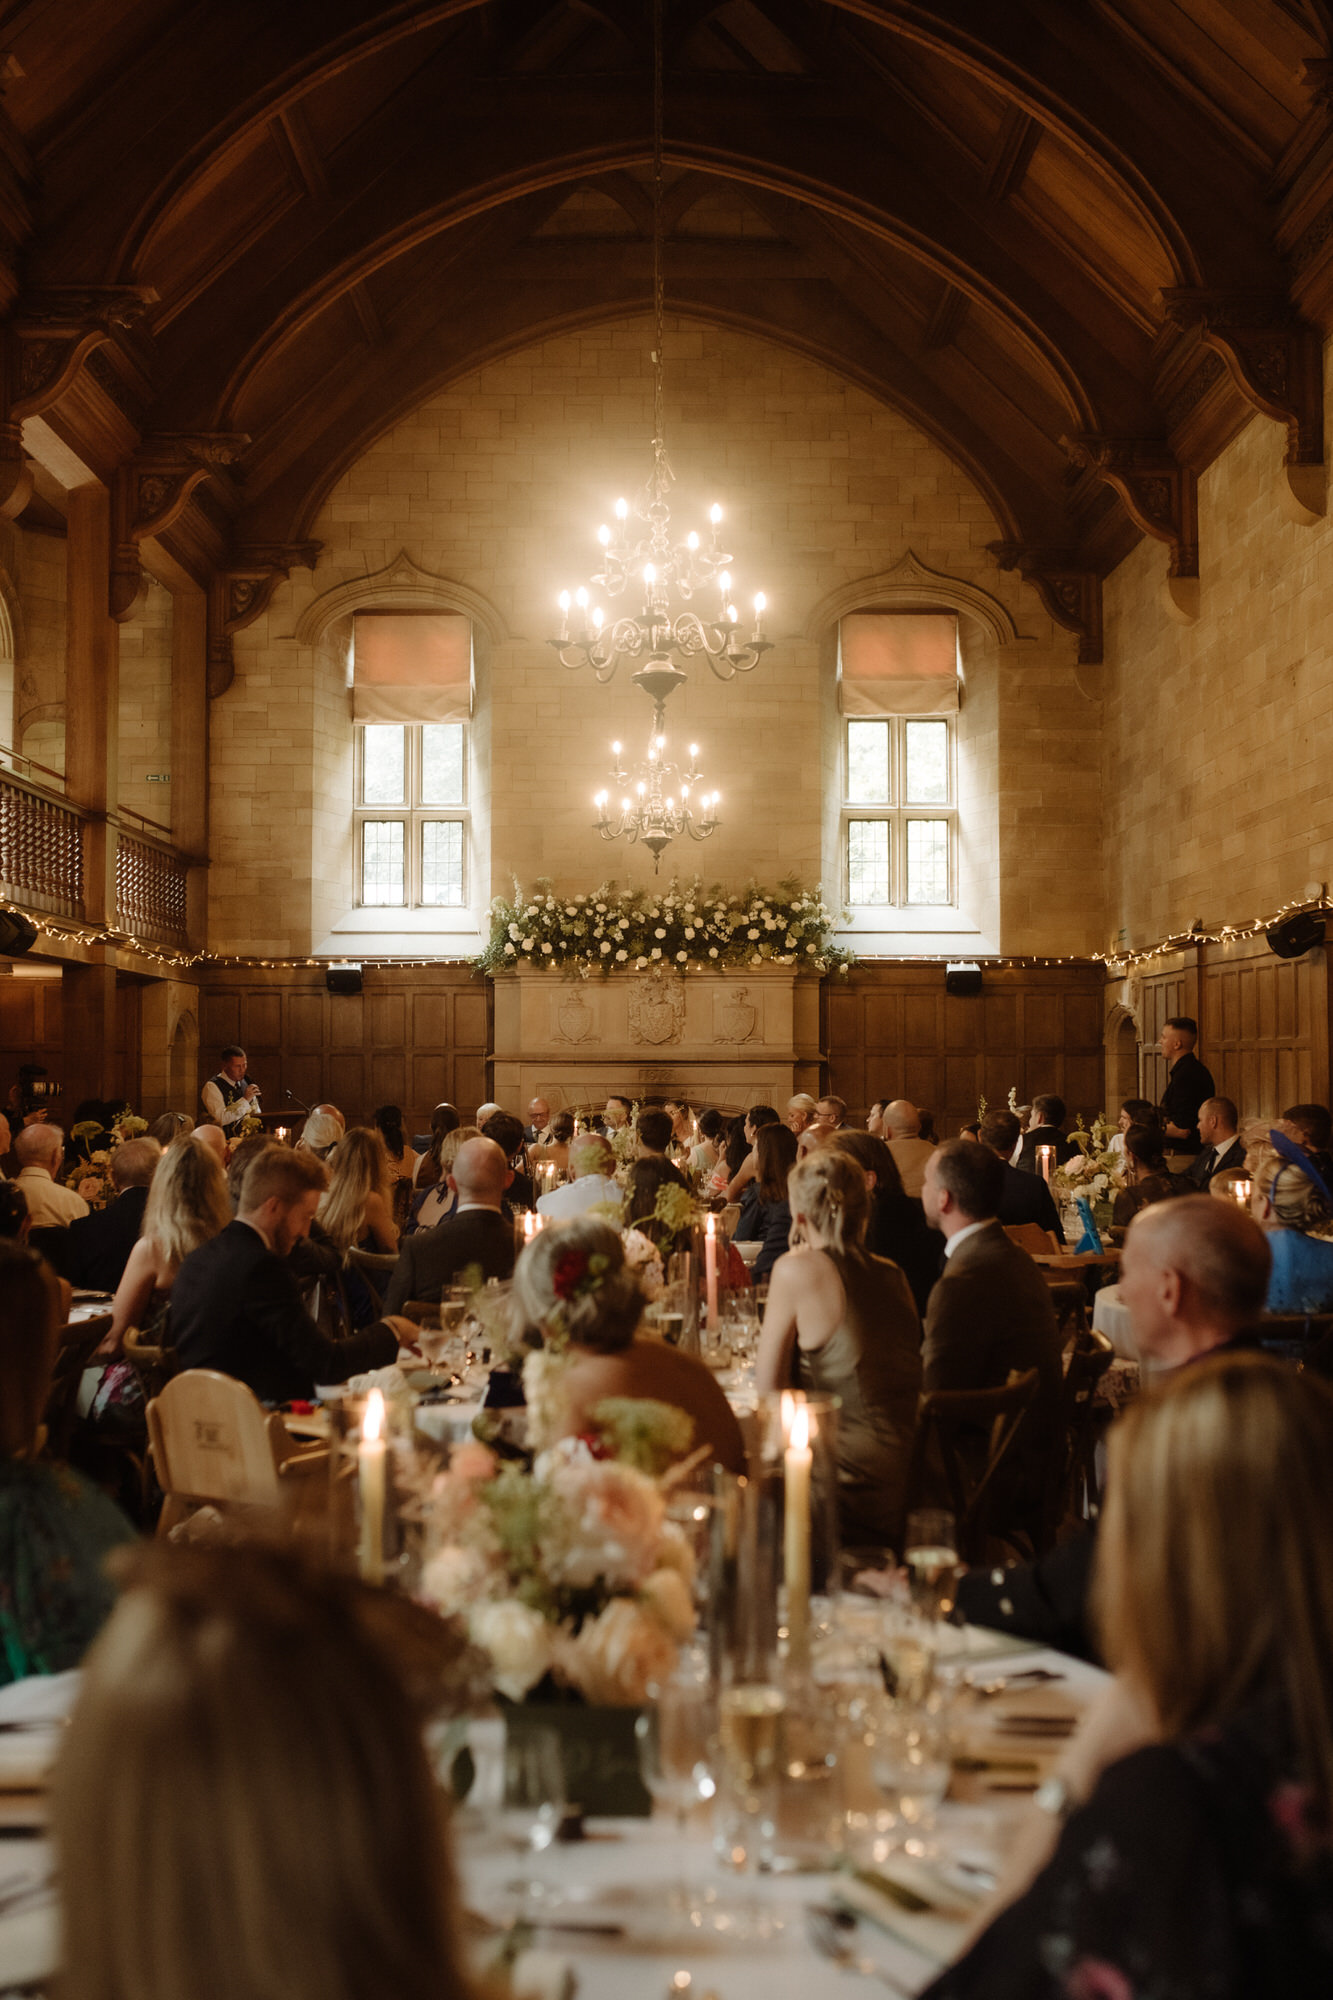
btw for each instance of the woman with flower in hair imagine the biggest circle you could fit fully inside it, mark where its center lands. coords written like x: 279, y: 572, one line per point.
x: 844, y: 1323
x: 573, y: 1283
x: 1292, y: 1202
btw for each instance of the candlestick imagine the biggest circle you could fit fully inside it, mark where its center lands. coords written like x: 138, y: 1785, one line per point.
x: 1045, y: 1161
x: 282, y: 1135
x: 370, y: 1469
x: 796, y: 1465
x: 710, y: 1269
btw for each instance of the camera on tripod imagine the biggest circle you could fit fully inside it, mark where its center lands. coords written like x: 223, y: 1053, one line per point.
x: 37, y: 1089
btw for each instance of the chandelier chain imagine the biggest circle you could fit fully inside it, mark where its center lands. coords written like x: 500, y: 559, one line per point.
x: 659, y: 287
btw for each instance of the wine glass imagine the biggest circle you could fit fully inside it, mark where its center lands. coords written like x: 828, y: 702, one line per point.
x: 533, y: 1799
x: 673, y: 1734
x: 909, y: 1760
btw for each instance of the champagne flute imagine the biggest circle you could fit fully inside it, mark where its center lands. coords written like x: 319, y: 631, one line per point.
x: 750, y: 1743
x: 533, y: 1799
x: 673, y: 1735
x: 931, y: 1555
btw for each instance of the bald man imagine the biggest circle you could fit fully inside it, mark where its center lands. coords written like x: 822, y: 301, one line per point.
x: 901, y: 1132
x: 215, y: 1139
x: 478, y: 1231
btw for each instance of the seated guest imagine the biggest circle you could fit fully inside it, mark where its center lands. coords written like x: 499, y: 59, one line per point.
x: 1222, y: 1144
x: 40, y: 1152
x: 843, y: 1323
x: 356, y: 1210
x: 507, y: 1134
x: 444, y: 1119
x: 320, y: 1133
x: 618, y: 1112
x: 14, y: 1219
x: 1193, y: 1277
x: 478, y: 1232
x: 1134, y: 1111
x: 94, y: 1250
x: 432, y: 1203
x: 732, y: 1155
x: 537, y: 1130
x: 238, y: 1164
x: 404, y: 1159
x: 593, y: 1166
x: 213, y: 1139
x: 1293, y: 1204
x: 553, y: 1151
x: 830, y: 1113
x: 682, y: 1129
x: 1147, y: 1177
x: 775, y: 1156
x: 236, y: 1305
x: 925, y: 1121
x: 756, y: 1118
x: 245, y: 1706
x: 55, y: 1528
x: 704, y: 1153
x: 171, y: 1125
x: 644, y: 1182
x: 1045, y: 1129
x: 1182, y: 1846
x: 800, y: 1110
x: 901, y: 1132
x: 990, y: 1314
x: 875, y: 1118
x: 897, y: 1228
x: 1311, y: 1126
x: 598, y: 1312
x: 1023, y: 1197
x: 655, y: 1136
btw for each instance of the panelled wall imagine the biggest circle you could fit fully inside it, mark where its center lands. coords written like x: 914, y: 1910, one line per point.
x: 412, y: 1037
x: 893, y: 1031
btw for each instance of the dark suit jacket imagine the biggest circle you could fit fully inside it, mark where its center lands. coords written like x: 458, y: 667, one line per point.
x: 1214, y: 1160
x: 1045, y: 1135
x: 236, y: 1307
x: 1189, y: 1085
x: 432, y: 1259
x: 990, y: 1313
x: 94, y: 1251
x: 1026, y: 1198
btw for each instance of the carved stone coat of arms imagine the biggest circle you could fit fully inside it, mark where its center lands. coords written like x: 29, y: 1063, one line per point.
x: 735, y: 1016
x: 657, y: 1009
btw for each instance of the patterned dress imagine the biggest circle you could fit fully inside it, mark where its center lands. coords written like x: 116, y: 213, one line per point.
x: 55, y: 1531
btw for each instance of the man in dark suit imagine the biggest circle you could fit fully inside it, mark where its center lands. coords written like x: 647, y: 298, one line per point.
x: 1222, y: 1144
x: 1188, y: 1083
x: 1023, y: 1197
x: 520, y: 1193
x: 1194, y: 1276
x: 1049, y: 1113
x: 93, y: 1252
x: 236, y: 1305
x: 990, y: 1315
x: 477, y: 1233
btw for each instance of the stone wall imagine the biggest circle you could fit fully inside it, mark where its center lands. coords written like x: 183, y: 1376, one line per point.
x: 145, y: 706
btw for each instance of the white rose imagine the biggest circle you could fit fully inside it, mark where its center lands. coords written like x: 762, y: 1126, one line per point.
x: 712, y: 951
x: 548, y: 948
x: 682, y: 955
x: 622, y: 954
x: 454, y: 1579
x: 519, y: 1642
x: 667, y: 1597
x: 619, y: 1655
x: 605, y: 947
x: 674, y: 1552
x: 509, y: 951
x: 689, y: 930
x: 752, y: 933
x: 659, y: 934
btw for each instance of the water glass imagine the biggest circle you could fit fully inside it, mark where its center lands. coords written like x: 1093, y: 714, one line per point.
x: 909, y: 1752
x: 533, y: 1799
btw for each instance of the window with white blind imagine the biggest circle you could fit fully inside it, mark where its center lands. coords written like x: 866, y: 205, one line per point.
x: 411, y: 701
x: 898, y: 689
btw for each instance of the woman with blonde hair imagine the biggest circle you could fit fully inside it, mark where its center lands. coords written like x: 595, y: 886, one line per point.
x: 843, y: 1322
x: 432, y: 1204
x: 1291, y: 1201
x: 1186, y: 1846
x: 187, y: 1205
x: 356, y: 1210
x: 244, y: 1806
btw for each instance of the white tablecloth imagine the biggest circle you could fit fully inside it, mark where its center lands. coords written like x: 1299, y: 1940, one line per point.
x: 1112, y: 1319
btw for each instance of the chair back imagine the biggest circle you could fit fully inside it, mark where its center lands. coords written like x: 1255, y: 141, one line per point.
x: 73, y: 1355
x: 375, y: 1268
x: 211, y: 1440
x: 1074, y: 1488
x: 1030, y: 1236
x: 947, y: 1424
x: 153, y: 1363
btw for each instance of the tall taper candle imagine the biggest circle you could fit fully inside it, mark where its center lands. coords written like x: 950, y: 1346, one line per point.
x: 796, y: 1466
x: 710, y: 1268
x: 370, y: 1479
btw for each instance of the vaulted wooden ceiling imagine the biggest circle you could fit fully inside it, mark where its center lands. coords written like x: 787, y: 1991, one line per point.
x: 1078, y: 244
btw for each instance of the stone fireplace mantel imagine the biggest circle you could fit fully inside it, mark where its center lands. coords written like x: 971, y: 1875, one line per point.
x: 749, y: 1035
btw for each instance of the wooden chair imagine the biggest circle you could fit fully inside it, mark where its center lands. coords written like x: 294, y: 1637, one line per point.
x: 375, y: 1268
x: 153, y: 1363
x: 73, y: 1356
x: 943, y: 1445
x: 212, y: 1443
x: 1074, y: 1489
x: 1030, y: 1236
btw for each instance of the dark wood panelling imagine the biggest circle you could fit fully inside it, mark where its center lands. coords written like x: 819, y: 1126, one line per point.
x: 30, y: 1027
x: 894, y: 1032
x: 411, y: 1037
x: 1263, y: 1023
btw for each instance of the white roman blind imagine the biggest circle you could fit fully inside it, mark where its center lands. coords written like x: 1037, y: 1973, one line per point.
x: 898, y: 663
x: 411, y: 666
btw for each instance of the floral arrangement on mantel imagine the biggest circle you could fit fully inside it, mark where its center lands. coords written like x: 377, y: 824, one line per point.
x: 686, y: 927
x: 91, y: 1177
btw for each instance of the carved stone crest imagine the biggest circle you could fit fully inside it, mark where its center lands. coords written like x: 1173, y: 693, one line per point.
x: 574, y: 1018
x: 735, y: 1016
x: 657, y: 1009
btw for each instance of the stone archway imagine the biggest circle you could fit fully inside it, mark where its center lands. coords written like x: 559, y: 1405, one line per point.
x: 1122, y: 1057
x: 183, y: 1065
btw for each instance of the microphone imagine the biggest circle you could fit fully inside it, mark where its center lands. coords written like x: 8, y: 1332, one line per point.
x: 292, y: 1098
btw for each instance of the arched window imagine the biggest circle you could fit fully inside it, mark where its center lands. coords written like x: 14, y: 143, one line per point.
x: 898, y: 700
x: 412, y: 676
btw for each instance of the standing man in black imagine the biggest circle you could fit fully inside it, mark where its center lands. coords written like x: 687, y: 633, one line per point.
x: 1189, y: 1084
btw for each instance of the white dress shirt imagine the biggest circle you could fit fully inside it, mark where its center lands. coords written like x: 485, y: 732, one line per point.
x: 961, y: 1236
x: 49, y: 1204
x: 577, y: 1197
x: 222, y: 1114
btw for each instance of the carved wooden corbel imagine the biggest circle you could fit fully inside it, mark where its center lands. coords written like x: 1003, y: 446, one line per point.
x: 151, y: 492
x: 1275, y: 360
x: 241, y: 592
x: 1161, y: 498
x: 1071, y: 592
x: 54, y: 332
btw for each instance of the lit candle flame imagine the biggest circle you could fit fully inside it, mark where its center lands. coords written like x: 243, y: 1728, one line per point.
x: 372, y: 1424
x: 798, y: 1437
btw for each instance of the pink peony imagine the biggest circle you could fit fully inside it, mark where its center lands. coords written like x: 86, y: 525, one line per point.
x: 89, y: 1188
x: 1094, y: 1979
x: 609, y: 1525
x: 618, y: 1655
x: 667, y: 1596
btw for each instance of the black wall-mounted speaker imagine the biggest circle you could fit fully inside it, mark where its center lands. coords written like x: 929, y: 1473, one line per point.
x: 343, y: 976
x: 17, y: 935
x: 963, y: 980
x: 1294, y: 936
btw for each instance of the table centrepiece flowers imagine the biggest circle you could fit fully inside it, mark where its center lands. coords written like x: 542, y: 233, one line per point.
x: 97, y: 1145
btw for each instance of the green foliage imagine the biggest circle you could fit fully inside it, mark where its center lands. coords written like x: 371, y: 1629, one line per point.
x: 648, y: 1435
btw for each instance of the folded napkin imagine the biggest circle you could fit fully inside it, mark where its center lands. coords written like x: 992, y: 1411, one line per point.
x: 27, y: 1757
x: 40, y: 1698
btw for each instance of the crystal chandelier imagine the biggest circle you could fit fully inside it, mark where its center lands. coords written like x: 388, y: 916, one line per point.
x: 652, y: 814
x: 643, y: 558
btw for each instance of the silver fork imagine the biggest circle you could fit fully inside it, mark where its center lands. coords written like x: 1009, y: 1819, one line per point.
x: 826, y: 1928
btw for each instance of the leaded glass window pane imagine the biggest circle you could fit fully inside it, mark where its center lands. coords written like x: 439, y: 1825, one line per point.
x: 867, y: 861
x: 927, y: 762
x: 383, y: 763
x: 382, y: 877
x: 442, y: 764
x: 442, y: 863
x: 927, y: 860
x: 868, y: 763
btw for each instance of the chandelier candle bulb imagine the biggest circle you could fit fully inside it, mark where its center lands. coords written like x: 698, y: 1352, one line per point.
x: 710, y: 1269
x: 796, y: 1467
x: 370, y: 1470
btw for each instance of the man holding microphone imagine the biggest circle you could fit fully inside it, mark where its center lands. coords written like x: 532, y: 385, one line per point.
x: 228, y: 1097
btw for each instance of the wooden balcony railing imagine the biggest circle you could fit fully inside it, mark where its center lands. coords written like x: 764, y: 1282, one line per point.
x: 41, y: 849
x: 150, y: 891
